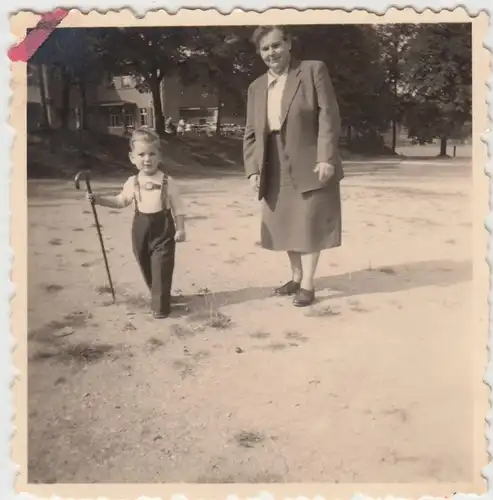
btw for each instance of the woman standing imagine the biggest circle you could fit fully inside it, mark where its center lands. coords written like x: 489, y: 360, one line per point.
x: 291, y: 155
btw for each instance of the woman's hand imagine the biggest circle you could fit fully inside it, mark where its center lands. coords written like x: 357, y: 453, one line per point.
x: 180, y: 235
x: 254, y: 182
x: 325, y: 171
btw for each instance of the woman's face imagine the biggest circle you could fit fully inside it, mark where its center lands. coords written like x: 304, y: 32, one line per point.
x: 275, y: 51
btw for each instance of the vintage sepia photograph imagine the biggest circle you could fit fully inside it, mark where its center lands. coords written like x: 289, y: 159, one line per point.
x: 250, y: 252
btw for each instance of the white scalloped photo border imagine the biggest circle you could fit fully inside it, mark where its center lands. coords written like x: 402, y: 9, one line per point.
x: 224, y: 12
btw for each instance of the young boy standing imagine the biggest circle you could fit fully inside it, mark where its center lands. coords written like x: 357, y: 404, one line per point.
x: 159, y: 219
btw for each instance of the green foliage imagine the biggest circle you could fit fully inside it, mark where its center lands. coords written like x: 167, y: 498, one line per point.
x: 438, y: 77
x: 415, y: 74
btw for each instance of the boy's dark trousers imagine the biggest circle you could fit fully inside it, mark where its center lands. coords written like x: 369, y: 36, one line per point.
x: 153, y: 241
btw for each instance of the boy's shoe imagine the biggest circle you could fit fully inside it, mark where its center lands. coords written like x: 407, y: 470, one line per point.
x: 157, y: 315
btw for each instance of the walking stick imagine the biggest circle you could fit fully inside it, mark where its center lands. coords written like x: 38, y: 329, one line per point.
x: 86, y: 177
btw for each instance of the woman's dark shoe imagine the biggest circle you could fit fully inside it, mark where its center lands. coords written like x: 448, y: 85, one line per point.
x: 304, y: 298
x: 289, y: 288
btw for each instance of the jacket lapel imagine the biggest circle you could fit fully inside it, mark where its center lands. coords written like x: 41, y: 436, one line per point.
x: 292, y: 84
x: 261, y: 104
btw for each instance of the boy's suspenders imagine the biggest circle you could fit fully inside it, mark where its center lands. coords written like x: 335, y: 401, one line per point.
x: 164, y: 192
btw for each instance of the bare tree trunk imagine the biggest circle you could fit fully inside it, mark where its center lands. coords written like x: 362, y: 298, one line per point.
x: 394, y: 136
x: 65, y: 104
x: 219, y: 115
x: 83, y: 104
x: 158, y: 109
x: 45, y: 120
x: 443, y: 146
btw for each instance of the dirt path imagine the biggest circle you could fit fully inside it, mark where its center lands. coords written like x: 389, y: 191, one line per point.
x: 239, y: 386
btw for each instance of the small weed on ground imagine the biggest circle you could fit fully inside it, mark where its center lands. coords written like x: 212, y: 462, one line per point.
x: 79, y: 354
x: 212, y: 318
x: 155, y: 343
x: 322, y: 312
x: 248, y: 439
x: 386, y: 270
x: 52, y: 288
x: 183, y: 331
x: 48, y: 332
x: 55, y: 242
x: 294, y: 335
x: 259, y: 335
x: 184, y: 367
x: 137, y: 301
x: 210, y: 315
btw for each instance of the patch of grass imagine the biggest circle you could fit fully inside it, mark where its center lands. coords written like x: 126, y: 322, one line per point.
x: 322, y: 312
x: 81, y: 250
x: 248, y: 439
x: 184, y: 331
x: 386, y: 270
x: 84, y: 352
x: 86, y: 212
x: 274, y: 346
x: 212, y: 318
x: 235, y: 260
x: 400, y: 413
x: 55, y: 241
x: 129, y: 327
x: 81, y: 353
x: 75, y: 319
x: 202, y: 354
x: 210, y: 315
x: 138, y: 301
x: 259, y: 335
x: 154, y: 343
x: 77, y: 229
x: 184, y: 367
x: 53, y: 288
x: 89, y: 264
x: 294, y: 335
x: 102, y: 290
x: 356, y: 306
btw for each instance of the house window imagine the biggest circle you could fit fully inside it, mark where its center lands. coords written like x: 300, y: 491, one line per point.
x: 129, y: 120
x: 32, y: 75
x: 127, y: 82
x: 143, y: 116
x: 115, y: 120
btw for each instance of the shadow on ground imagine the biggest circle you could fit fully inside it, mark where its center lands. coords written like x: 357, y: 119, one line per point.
x: 390, y: 279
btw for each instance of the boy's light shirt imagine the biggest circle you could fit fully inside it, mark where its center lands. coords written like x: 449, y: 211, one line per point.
x: 150, y: 201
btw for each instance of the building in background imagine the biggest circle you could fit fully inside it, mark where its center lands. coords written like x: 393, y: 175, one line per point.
x: 115, y: 105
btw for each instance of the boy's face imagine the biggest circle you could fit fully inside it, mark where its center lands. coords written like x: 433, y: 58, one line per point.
x: 145, y: 156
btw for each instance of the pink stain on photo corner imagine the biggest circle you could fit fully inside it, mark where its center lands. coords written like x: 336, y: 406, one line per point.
x: 24, y: 50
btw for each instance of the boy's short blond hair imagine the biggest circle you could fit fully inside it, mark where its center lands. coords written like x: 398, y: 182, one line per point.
x: 145, y: 134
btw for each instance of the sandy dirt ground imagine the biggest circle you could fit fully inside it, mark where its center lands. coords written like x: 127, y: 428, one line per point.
x: 370, y: 384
